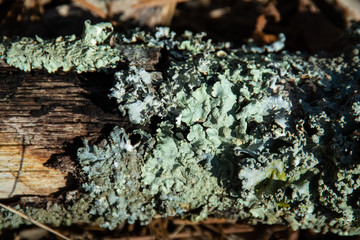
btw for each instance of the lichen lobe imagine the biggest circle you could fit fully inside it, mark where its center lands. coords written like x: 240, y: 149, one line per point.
x: 90, y: 53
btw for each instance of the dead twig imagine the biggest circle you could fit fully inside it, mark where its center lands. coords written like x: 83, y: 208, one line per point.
x: 92, y: 8
x: 96, y: 10
x: 34, y: 221
x: 166, y: 9
x: 270, y: 230
x: 208, y: 221
x: 186, y: 235
x: 155, y: 3
x: 293, y: 235
x: 177, y: 231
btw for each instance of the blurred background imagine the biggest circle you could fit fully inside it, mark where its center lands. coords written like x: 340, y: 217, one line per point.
x: 309, y: 25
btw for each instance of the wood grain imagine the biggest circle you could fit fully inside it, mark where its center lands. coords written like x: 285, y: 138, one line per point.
x: 41, y: 114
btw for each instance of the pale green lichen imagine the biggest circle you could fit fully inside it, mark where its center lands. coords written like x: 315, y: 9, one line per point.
x: 135, y: 86
x: 2, y: 49
x: 90, y: 53
x: 356, y: 111
x: 238, y: 118
x: 75, y: 210
x: 265, y: 138
x: 121, y: 198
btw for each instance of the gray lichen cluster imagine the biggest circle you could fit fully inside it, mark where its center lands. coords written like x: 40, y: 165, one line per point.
x: 114, y: 180
x: 271, y: 138
x: 67, y: 53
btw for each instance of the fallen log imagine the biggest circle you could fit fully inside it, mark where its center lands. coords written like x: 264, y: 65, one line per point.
x: 42, y: 115
x: 255, y: 134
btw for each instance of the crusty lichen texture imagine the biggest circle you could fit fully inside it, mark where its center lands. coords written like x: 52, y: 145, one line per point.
x: 271, y: 138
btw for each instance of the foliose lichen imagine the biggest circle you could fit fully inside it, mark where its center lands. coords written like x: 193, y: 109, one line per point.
x: 90, y: 53
x: 113, y: 176
x: 270, y: 138
x: 264, y: 130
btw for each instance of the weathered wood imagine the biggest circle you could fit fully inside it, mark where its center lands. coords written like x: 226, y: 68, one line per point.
x: 39, y: 115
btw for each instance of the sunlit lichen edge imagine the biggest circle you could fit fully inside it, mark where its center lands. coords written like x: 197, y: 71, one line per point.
x: 271, y: 138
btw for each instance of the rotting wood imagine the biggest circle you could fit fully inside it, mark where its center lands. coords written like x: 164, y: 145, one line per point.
x: 44, y: 117
x: 39, y: 115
